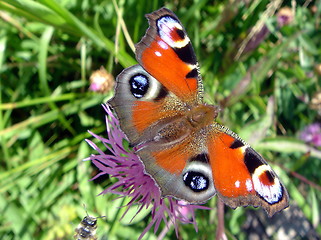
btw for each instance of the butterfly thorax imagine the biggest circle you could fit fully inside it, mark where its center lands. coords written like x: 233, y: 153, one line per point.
x: 172, y: 130
x: 202, y: 115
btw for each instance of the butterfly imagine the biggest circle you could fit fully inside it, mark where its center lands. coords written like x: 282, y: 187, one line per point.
x: 159, y: 103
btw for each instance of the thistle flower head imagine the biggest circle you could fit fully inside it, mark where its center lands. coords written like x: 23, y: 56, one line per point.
x: 101, y: 81
x: 133, y: 182
x: 285, y: 16
x: 312, y: 134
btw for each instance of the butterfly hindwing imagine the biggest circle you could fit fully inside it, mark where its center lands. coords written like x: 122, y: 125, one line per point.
x: 139, y: 101
x: 181, y: 171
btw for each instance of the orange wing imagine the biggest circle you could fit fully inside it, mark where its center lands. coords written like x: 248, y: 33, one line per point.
x: 241, y: 176
x: 167, y: 54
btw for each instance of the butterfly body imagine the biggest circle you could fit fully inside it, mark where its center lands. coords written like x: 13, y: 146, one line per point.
x: 159, y: 103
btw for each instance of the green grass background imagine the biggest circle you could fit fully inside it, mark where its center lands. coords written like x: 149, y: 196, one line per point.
x: 48, y: 49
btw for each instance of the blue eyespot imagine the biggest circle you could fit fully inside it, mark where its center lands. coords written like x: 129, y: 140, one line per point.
x: 139, y: 85
x: 196, y: 181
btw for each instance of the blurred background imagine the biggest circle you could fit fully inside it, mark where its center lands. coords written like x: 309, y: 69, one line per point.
x: 260, y: 61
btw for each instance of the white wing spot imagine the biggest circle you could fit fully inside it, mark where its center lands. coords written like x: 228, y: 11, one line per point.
x: 237, y: 183
x: 249, y: 185
x: 158, y: 54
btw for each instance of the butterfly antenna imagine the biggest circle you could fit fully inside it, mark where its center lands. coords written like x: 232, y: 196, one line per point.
x: 85, y: 209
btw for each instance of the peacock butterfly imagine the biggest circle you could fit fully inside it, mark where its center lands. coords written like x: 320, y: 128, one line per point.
x: 159, y: 103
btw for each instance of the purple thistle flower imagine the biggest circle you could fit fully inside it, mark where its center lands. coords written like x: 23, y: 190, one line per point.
x: 285, y: 16
x: 101, y: 81
x: 135, y: 183
x: 312, y: 134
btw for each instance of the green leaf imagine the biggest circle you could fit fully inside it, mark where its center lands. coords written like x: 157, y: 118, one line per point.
x: 288, y: 145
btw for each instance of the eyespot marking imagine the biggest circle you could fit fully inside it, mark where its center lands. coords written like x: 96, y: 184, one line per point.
x: 196, y: 181
x: 267, y: 185
x: 267, y: 178
x: 180, y: 33
x: 172, y: 32
x: 139, y: 85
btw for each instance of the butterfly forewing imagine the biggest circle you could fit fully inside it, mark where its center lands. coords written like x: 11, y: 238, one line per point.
x: 241, y: 176
x: 167, y: 54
